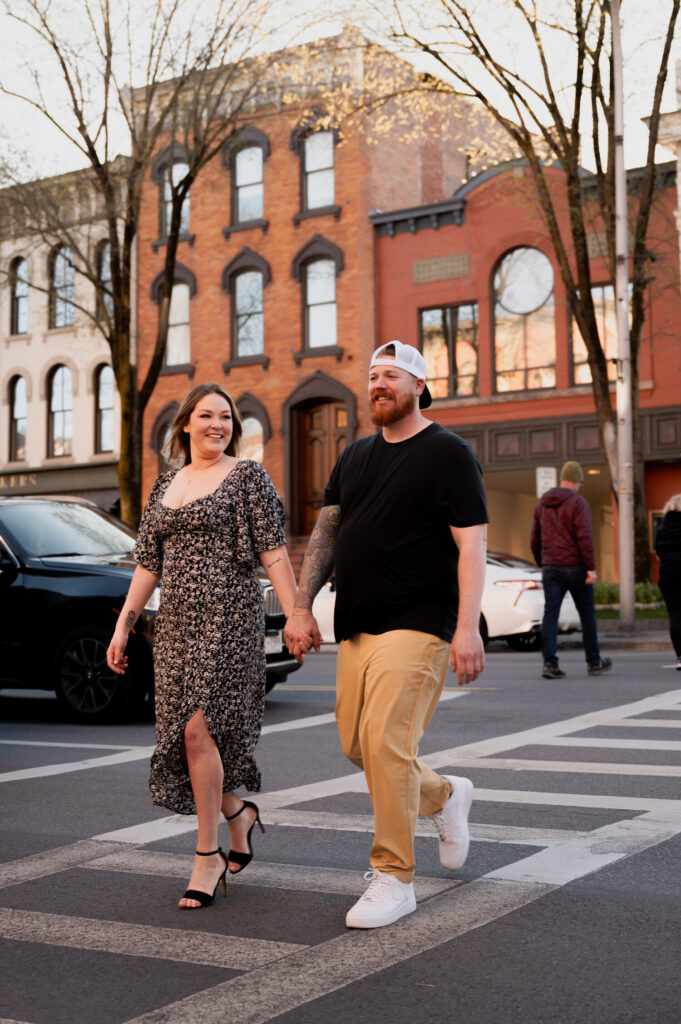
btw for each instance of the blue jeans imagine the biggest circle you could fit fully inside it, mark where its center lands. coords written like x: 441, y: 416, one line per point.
x: 559, y: 580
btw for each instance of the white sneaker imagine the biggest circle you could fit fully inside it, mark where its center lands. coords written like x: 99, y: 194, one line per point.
x: 386, y: 900
x: 452, y: 824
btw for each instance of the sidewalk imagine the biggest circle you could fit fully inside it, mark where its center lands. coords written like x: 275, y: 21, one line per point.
x: 648, y: 635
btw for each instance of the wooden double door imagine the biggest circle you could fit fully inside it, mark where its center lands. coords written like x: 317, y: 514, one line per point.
x: 321, y: 435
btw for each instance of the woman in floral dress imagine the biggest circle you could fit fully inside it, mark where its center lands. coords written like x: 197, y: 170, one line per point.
x: 205, y: 528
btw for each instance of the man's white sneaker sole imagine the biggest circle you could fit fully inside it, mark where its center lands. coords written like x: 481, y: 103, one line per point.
x: 385, y: 901
x: 453, y: 820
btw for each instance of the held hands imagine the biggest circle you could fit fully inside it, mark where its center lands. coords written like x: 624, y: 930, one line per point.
x: 467, y: 655
x: 301, y: 632
x: 116, y: 658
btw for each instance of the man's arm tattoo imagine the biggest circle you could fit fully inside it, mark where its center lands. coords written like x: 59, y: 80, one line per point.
x: 130, y: 619
x: 319, y: 557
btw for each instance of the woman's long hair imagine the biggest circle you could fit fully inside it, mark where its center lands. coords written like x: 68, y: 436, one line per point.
x: 180, y: 451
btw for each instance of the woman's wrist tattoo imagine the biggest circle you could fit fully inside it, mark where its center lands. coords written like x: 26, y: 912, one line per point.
x: 130, y: 619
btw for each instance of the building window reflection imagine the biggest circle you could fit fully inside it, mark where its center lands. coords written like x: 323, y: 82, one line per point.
x: 449, y: 342
x: 524, y: 322
x: 253, y: 439
x: 248, y: 326
x: 320, y: 304
x: 60, y: 418
x: 605, y: 308
x: 104, y: 409
x: 18, y: 417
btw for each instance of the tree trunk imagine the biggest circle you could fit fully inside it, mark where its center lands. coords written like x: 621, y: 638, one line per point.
x: 130, y: 458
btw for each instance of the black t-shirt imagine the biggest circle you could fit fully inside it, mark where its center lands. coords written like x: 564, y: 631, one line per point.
x: 396, y: 560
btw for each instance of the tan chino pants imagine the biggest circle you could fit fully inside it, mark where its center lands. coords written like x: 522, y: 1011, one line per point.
x: 388, y: 687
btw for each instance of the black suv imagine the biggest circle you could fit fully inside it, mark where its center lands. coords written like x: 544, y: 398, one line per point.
x: 65, y: 569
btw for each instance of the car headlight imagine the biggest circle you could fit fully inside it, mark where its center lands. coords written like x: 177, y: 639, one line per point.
x: 519, y: 584
x: 154, y: 601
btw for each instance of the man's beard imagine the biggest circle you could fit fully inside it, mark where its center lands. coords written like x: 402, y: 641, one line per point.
x: 383, y: 416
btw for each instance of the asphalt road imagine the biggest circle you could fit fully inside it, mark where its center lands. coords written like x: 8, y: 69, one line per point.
x: 567, y: 910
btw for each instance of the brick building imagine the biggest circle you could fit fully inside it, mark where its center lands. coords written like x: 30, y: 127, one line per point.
x: 275, y: 285
x: 58, y: 402
x: 474, y: 282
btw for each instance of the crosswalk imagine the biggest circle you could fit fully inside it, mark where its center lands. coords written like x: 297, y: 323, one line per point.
x: 283, y: 974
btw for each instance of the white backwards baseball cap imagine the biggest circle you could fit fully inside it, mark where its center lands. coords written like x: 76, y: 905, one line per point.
x: 406, y: 358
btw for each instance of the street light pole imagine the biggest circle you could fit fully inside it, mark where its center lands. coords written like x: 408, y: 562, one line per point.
x: 625, y: 444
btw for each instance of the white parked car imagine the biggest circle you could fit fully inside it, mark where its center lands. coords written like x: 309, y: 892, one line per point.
x: 512, y: 605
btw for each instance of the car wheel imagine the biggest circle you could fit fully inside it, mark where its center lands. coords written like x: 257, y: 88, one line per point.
x: 524, y: 641
x: 83, y: 681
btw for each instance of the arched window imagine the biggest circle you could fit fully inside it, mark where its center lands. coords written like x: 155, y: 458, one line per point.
x: 62, y: 279
x: 104, y: 409
x: 104, y: 283
x: 160, y: 436
x: 314, y: 140
x: 17, y: 419
x: 253, y: 439
x: 171, y: 176
x: 60, y: 412
x: 178, y: 345
x: 248, y: 185
x: 318, y: 170
x: 320, y: 304
x: 524, y: 322
x: 19, y: 292
x: 317, y: 266
x: 248, y: 327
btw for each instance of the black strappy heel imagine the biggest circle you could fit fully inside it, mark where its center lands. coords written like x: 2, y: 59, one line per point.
x: 205, y: 898
x: 242, y: 859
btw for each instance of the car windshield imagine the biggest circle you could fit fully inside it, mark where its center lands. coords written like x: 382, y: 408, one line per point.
x: 46, y: 528
x: 510, y: 561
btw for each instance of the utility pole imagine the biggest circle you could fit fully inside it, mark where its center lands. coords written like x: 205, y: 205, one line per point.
x: 625, y: 445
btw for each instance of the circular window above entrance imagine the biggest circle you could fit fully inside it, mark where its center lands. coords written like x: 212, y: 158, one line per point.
x: 523, y: 281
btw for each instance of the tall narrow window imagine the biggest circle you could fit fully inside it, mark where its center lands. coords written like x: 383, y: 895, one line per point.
x: 524, y: 322
x: 60, y: 414
x: 449, y: 342
x: 248, y: 327
x: 605, y: 307
x: 104, y: 283
x: 172, y: 176
x: 248, y: 184
x: 178, y: 347
x: 17, y: 423
x: 253, y: 439
x: 320, y: 304
x: 62, y: 288
x: 19, y: 288
x: 104, y: 409
x: 318, y: 171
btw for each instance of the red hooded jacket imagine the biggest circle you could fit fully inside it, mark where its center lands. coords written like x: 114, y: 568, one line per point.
x: 561, y: 530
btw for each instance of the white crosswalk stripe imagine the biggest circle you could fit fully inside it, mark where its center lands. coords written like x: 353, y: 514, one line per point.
x: 283, y: 976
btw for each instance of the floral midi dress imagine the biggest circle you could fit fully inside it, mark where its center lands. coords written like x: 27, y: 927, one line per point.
x: 210, y: 627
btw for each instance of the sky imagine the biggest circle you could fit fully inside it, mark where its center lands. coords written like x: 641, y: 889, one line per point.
x: 643, y: 25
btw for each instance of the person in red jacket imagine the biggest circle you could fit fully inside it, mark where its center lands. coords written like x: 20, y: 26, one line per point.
x: 562, y: 545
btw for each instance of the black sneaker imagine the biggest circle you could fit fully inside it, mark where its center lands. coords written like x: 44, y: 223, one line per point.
x: 552, y: 672
x: 600, y: 666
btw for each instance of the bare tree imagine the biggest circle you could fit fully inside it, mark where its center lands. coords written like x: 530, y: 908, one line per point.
x: 136, y: 76
x: 551, y: 103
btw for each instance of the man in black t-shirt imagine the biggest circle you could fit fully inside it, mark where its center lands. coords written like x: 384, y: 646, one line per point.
x: 404, y: 522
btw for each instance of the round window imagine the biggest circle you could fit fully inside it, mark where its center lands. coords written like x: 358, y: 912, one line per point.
x: 523, y: 281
